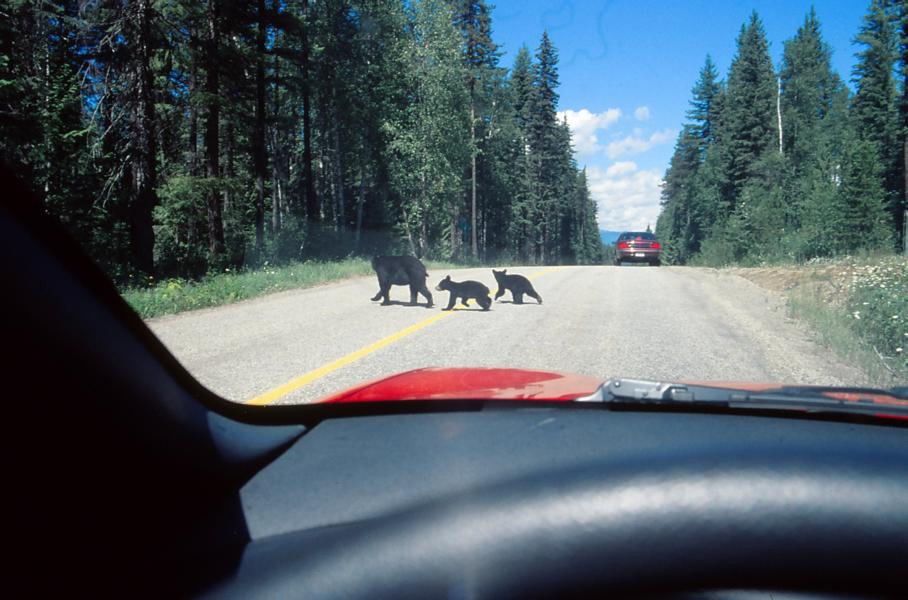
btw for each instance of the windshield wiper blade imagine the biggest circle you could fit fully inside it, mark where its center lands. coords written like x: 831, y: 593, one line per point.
x: 796, y: 398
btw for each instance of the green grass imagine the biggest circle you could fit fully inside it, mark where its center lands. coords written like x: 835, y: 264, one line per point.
x: 833, y: 328
x: 878, y: 307
x: 178, y: 295
x: 867, y: 322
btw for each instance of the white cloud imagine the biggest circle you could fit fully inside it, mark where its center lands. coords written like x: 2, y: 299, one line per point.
x: 621, y: 168
x: 636, y: 143
x: 642, y: 113
x: 627, y: 198
x: 584, y: 125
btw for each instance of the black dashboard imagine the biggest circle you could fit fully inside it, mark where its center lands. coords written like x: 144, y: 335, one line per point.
x: 524, y: 502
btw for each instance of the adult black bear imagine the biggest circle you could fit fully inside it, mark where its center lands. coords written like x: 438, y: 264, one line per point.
x: 465, y: 290
x: 400, y: 270
x: 517, y: 284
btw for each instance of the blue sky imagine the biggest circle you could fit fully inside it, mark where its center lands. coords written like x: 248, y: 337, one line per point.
x: 627, y: 67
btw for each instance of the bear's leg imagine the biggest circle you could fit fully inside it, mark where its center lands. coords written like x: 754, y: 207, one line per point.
x: 386, y: 293
x: 413, y: 291
x: 518, y: 297
x: 499, y: 293
x: 451, y: 302
x: 427, y: 294
x: 381, y: 289
x: 534, y: 294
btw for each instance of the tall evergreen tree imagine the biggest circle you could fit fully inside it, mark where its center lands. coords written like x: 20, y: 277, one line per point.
x: 901, y: 216
x: 521, y: 85
x: 480, y: 60
x: 866, y: 222
x: 703, y: 109
x: 545, y: 148
x: 874, y: 103
x: 750, y: 106
x: 810, y: 90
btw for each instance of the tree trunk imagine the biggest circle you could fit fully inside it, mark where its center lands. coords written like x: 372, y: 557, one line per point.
x: 313, y: 211
x: 473, y: 243
x: 229, y: 164
x: 193, y: 166
x: 456, y: 233
x: 277, y: 154
x: 259, y: 158
x: 423, y: 238
x: 212, y: 151
x: 340, y: 201
x: 361, y: 201
x: 779, y: 111
x: 144, y: 178
x: 276, y: 217
x: 407, y: 229
x: 905, y: 200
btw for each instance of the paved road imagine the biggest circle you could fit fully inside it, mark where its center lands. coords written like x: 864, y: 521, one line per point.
x: 666, y: 323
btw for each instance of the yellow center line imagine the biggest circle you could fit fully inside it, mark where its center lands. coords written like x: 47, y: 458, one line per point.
x: 307, y: 378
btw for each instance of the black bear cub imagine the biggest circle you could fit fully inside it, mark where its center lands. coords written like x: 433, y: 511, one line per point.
x: 400, y: 270
x: 517, y: 284
x: 465, y: 290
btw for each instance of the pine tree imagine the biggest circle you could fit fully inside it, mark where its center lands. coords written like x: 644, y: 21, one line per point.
x: 809, y: 92
x: 866, y: 221
x: 679, y: 224
x: 814, y: 114
x: 901, y: 214
x: 874, y: 103
x: 480, y: 61
x: 521, y: 85
x: 546, y: 149
x: 676, y: 225
x: 750, y: 106
x: 703, y: 110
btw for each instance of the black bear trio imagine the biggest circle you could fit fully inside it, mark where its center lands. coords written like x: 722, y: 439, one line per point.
x: 408, y: 270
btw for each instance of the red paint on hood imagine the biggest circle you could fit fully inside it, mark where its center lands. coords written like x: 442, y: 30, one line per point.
x: 471, y: 384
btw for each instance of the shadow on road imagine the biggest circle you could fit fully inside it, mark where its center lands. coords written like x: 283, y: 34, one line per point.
x: 407, y: 304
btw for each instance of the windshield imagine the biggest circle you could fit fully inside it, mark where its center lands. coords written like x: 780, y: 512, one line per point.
x: 299, y: 197
x: 636, y: 235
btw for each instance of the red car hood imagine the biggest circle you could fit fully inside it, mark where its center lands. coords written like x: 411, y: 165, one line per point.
x: 521, y: 384
x: 471, y: 384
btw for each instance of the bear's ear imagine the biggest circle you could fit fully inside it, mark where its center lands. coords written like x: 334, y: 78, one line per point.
x: 448, y: 278
x: 503, y: 271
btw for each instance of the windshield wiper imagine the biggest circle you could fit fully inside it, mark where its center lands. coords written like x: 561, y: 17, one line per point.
x: 865, y: 401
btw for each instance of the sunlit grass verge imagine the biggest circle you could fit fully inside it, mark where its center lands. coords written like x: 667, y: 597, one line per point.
x: 178, y: 295
x: 878, y: 302
x: 863, y: 317
x: 833, y: 328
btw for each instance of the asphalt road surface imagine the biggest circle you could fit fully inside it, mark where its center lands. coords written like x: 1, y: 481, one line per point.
x: 665, y: 323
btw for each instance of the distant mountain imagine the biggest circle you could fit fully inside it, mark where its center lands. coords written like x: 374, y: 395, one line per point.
x: 608, y: 237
